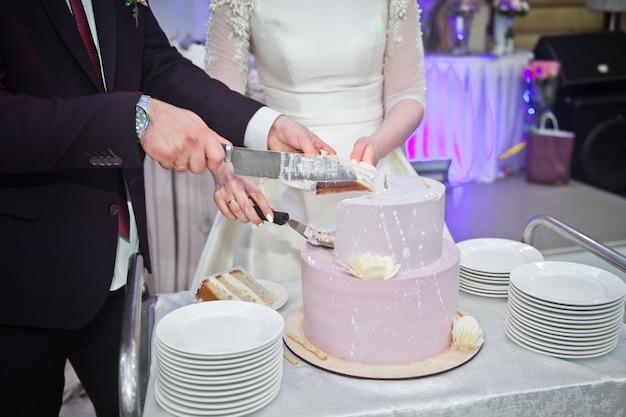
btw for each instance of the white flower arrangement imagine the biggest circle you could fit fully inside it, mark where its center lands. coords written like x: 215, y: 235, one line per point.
x: 375, y: 267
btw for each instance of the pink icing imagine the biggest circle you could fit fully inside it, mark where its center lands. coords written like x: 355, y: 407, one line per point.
x: 404, y: 221
x: 407, y: 318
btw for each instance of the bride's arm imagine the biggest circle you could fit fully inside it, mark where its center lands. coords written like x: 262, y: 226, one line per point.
x: 404, y: 94
x: 227, y: 48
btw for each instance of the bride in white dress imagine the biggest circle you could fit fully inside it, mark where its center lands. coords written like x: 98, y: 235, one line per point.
x: 352, y: 71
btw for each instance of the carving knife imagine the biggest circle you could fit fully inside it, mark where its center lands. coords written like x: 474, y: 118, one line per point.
x: 290, y: 166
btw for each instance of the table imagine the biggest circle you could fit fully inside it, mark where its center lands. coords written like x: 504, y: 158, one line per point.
x: 503, y: 379
x: 474, y: 113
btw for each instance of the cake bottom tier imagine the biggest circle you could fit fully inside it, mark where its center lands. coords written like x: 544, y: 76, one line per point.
x: 404, y: 319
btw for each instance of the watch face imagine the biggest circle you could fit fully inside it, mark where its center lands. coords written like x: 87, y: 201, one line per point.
x: 141, y: 119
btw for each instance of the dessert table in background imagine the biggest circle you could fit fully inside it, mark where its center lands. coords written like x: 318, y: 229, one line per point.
x: 503, y: 379
x: 474, y: 113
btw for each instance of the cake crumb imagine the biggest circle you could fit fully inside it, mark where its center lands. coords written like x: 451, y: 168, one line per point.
x: 290, y: 358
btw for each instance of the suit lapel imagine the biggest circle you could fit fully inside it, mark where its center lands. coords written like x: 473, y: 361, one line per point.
x: 64, y: 22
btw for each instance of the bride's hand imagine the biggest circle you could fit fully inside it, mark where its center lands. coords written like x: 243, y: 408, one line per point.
x: 235, y: 195
x: 365, y: 150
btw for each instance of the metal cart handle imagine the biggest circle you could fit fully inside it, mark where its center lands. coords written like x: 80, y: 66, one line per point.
x: 129, y: 382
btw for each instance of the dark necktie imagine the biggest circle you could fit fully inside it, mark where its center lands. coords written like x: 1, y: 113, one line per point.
x: 123, y: 217
x: 85, y: 34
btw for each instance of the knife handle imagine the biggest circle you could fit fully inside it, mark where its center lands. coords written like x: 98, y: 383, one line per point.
x: 280, y: 217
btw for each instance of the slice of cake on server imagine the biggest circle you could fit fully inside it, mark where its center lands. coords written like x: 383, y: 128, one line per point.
x: 235, y: 284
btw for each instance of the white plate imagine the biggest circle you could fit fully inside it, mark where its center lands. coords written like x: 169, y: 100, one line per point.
x: 565, y: 324
x: 188, y: 361
x: 223, y: 375
x: 483, y: 291
x: 568, y: 283
x: 554, y: 328
x: 201, y: 371
x: 485, y: 279
x: 489, y: 294
x: 560, y: 308
x: 565, y: 314
x: 185, y: 411
x: 200, y: 397
x: 273, y: 363
x: 561, y: 333
x: 498, y: 256
x: 493, y: 275
x: 220, y: 390
x: 557, y: 339
x: 220, y: 328
x: 189, y: 358
x: 482, y: 286
x: 208, y: 373
x: 547, y: 343
x: 170, y: 376
x: 281, y: 293
x: 219, y: 387
x: 558, y: 353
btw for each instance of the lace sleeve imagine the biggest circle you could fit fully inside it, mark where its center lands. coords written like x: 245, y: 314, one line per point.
x: 228, y: 42
x: 403, y: 69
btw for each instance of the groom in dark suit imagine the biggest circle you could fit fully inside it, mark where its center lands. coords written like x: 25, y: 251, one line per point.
x: 87, y: 89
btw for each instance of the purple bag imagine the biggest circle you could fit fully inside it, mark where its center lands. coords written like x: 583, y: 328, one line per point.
x: 548, y: 153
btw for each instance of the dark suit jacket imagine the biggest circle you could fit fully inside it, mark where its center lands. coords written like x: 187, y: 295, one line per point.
x: 64, y: 144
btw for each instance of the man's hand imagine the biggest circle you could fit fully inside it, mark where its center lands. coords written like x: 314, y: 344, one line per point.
x: 179, y: 139
x: 287, y: 135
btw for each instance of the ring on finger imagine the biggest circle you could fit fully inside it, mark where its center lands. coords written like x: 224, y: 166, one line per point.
x: 230, y: 201
x: 180, y: 167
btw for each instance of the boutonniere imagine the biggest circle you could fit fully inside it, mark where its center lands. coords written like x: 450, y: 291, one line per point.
x: 135, y: 4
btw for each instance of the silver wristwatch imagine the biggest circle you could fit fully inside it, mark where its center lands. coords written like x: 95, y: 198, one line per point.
x: 142, y: 115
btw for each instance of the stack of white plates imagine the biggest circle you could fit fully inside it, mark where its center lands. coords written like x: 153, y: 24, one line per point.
x: 486, y: 264
x: 564, y: 309
x: 218, y: 358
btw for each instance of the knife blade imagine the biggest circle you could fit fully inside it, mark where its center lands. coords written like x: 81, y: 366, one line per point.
x: 289, y: 166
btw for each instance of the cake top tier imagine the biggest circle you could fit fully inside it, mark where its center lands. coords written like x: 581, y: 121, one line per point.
x: 403, y: 221
x: 402, y: 189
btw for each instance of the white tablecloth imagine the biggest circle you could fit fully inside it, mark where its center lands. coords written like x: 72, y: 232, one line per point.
x: 474, y: 113
x: 503, y: 379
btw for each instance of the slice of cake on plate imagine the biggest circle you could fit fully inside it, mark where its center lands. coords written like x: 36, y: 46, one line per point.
x: 235, y: 284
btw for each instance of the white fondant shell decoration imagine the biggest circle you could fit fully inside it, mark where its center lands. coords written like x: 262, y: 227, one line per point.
x: 368, y: 266
x: 466, y: 333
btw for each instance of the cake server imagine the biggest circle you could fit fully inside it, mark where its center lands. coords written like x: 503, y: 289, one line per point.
x: 314, y: 237
x: 289, y: 166
x: 280, y: 217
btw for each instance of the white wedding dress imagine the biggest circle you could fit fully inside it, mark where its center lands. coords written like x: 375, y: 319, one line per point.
x: 332, y: 65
